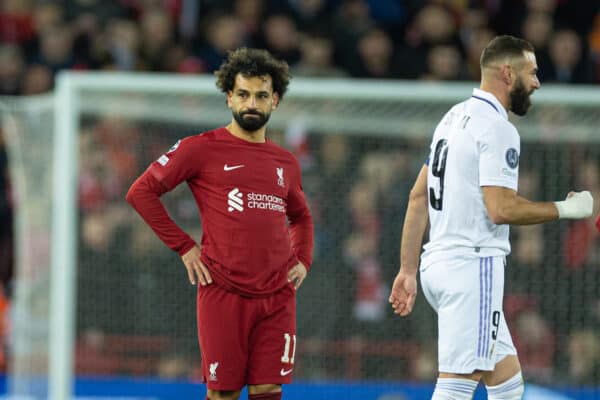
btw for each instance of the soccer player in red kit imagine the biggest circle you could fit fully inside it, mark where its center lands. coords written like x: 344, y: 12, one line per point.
x: 257, y: 236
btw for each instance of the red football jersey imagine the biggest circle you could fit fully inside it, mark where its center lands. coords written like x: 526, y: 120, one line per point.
x: 255, y: 220
x: 598, y: 223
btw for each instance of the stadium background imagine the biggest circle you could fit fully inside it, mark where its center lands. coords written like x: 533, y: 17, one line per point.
x: 135, y: 312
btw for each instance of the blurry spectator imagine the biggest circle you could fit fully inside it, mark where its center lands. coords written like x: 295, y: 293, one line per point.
x: 376, y: 59
x: 581, y: 237
x: 350, y: 22
x: 311, y: 14
x: 526, y: 272
x: 86, y: 29
x: 531, y: 334
x: 389, y: 14
x: 223, y: 33
x: 535, y: 341
x: 584, y: 357
x: 47, y: 15
x: 16, y: 23
x: 101, y: 11
x: 55, y: 49
x: 157, y: 37
x: 361, y: 253
x: 336, y: 169
x: 102, y: 302
x: 444, y: 63
x: 281, y: 38
x: 109, y: 158
x: 11, y: 69
x: 474, y: 45
x: 473, y: 19
x: 537, y: 28
x: 152, y: 272
x: 317, y: 58
x: 569, y: 62
x: 250, y: 14
x: 547, y: 6
x: 38, y: 79
x: 510, y: 14
x: 433, y: 25
x: 122, y: 45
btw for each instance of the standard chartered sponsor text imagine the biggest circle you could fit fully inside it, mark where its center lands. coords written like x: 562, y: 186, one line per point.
x: 265, y: 202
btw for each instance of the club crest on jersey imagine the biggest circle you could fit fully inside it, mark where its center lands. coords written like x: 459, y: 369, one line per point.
x: 174, y: 147
x: 512, y: 158
x: 213, y: 370
x: 280, y: 181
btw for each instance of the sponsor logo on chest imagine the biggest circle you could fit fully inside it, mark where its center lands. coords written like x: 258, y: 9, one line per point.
x: 236, y: 201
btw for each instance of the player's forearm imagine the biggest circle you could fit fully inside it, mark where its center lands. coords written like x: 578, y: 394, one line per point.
x: 144, y: 197
x: 302, y: 237
x: 520, y: 211
x: 415, y: 223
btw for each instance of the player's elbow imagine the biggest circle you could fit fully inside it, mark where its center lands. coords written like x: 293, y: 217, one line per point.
x: 499, y: 216
x: 418, y: 198
x: 130, y: 197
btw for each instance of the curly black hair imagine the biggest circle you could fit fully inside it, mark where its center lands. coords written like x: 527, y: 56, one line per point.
x: 250, y: 63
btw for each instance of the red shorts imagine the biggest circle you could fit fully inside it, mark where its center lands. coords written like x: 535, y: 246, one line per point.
x: 246, y: 341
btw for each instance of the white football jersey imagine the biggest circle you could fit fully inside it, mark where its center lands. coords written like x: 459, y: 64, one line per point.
x: 474, y: 145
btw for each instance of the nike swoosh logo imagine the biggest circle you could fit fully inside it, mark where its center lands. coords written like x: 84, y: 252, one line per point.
x: 227, y: 168
x: 283, y: 372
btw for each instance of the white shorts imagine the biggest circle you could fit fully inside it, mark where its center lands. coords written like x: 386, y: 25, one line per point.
x: 467, y: 295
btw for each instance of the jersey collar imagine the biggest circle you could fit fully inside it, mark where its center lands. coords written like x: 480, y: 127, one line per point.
x: 489, y: 98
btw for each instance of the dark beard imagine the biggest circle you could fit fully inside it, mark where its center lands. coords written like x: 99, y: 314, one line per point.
x: 519, y: 99
x: 251, y: 123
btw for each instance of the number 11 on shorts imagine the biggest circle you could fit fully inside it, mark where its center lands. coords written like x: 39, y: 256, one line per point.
x: 286, y: 351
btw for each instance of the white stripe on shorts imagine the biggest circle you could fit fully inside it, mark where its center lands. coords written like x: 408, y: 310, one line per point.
x: 485, y: 305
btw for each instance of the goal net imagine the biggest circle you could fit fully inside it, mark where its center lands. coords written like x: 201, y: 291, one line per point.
x: 97, y: 294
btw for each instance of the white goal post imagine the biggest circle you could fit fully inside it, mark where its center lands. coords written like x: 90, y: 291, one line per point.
x: 365, y: 107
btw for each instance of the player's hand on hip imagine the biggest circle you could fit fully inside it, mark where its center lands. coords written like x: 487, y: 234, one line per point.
x: 404, y: 292
x: 195, y: 268
x: 296, y: 274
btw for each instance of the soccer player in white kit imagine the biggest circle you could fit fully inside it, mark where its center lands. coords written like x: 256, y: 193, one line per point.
x: 467, y: 192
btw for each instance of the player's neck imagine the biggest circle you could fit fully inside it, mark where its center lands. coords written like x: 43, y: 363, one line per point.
x: 257, y: 136
x: 500, y: 93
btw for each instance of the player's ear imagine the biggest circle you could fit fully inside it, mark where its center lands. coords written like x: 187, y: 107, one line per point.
x: 275, y: 101
x: 506, y: 74
x: 229, y: 95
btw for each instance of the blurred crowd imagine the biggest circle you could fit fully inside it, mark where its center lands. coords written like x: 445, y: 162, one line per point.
x: 357, y: 186
x: 402, y: 39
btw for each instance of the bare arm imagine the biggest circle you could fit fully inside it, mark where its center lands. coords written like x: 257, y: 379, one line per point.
x: 404, y: 289
x: 505, y: 206
x: 415, y: 223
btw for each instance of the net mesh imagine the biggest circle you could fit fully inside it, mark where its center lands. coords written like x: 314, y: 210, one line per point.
x: 136, y: 310
x: 27, y: 129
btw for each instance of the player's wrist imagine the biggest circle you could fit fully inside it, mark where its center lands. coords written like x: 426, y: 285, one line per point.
x: 410, y: 270
x: 563, y: 209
